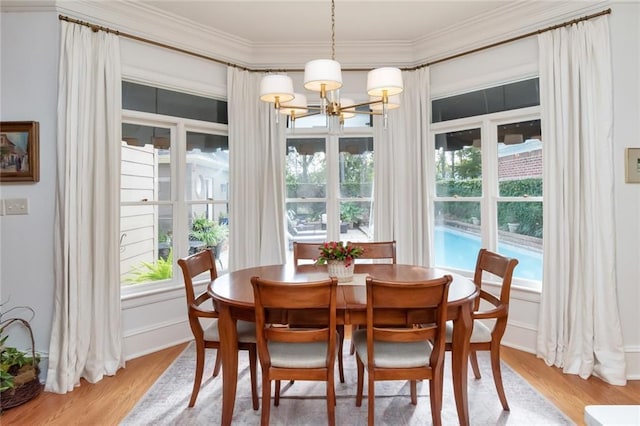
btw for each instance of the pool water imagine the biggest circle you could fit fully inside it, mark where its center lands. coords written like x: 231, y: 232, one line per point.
x: 459, y: 250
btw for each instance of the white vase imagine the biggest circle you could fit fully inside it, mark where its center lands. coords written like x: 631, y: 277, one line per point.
x: 337, y: 269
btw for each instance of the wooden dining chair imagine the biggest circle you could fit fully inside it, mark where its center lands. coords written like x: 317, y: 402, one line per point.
x: 409, y: 351
x: 192, y: 266
x: 306, y: 254
x: 384, y: 251
x: 376, y: 250
x: 291, y: 353
x: 485, y: 337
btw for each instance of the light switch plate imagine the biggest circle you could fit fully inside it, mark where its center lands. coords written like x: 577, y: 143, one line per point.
x: 16, y: 206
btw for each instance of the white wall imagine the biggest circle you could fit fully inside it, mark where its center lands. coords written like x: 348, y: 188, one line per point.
x: 29, y: 73
x: 29, y: 56
x: 625, y: 41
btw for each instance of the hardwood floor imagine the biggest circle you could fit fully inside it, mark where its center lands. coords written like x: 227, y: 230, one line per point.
x: 108, y: 401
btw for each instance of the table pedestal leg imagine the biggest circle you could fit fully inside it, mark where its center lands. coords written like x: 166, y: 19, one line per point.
x: 229, y: 354
x: 462, y: 328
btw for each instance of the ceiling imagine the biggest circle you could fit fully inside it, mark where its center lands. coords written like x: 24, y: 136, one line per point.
x: 281, y: 21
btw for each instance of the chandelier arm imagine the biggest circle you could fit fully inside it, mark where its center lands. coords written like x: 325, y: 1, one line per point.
x: 379, y: 101
x: 365, y: 112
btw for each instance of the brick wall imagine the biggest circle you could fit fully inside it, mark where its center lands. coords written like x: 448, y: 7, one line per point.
x: 520, y: 165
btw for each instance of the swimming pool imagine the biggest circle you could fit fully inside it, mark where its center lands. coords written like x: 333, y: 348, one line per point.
x: 459, y: 250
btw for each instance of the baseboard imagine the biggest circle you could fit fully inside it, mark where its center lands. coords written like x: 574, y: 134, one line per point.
x: 523, y: 337
x: 147, y: 340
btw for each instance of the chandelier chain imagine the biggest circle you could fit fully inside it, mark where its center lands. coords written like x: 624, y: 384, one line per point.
x: 333, y: 30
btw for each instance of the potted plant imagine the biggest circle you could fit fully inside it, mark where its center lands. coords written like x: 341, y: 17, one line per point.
x: 210, y: 233
x: 162, y: 269
x: 339, y: 259
x: 19, y: 370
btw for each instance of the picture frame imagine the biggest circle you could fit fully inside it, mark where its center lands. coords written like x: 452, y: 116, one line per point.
x: 632, y: 165
x: 19, y: 151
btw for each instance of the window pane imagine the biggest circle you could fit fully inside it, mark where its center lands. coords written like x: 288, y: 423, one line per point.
x: 206, y: 185
x: 208, y: 228
x: 458, y: 164
x: 306, y: 175
x: 520, y: 159
x: 207, y: 171
x: 520, y: 236
x: 356, y: 167
x: 457, y: 234
x: 507, y: 97
x: 306, y: 222
x: 146, y: 244
x: 138, y: 97
x: 355, y: 222
x: 145, y: 163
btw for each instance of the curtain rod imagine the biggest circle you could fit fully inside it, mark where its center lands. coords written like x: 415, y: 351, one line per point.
x: 96, y: 28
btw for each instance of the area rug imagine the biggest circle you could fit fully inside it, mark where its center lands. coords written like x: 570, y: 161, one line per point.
x: 303, y: 403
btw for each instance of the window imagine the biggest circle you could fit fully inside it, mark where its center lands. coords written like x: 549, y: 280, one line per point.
x: 174, y: 180
x: 488, y: 191
x: 329, y: 182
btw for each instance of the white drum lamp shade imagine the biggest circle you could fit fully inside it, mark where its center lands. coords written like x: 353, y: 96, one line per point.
x: 322, y: 71
x: 299, y: 102
x: 274, y: 86
x: 387, y: 79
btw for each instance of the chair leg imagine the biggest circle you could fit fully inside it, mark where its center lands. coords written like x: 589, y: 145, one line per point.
x: 331, y: 400
x: 435, y: 396
x: 197, y: 380
x: 276, y: 395
x: 266, y: 399
x: 497, y: 375
x: 340, y: 346
x: 352, y: 349
x: 216, y: 368
x: 360, y: 381
x: 371, y: 400
x: 474, y: 364
x: 414, y: 391
x: 253, y: 362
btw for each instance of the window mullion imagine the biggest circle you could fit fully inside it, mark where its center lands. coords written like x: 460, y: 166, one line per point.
x: 489, y: 184
x: 179, y: 204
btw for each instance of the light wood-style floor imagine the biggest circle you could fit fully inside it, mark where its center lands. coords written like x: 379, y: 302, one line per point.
x: 108, y: 401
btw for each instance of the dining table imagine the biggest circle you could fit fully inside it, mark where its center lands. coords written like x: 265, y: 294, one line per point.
x: 232, y: 295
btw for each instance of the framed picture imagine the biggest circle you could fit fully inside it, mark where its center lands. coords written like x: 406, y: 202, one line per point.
x: 19, y: 153
x: 632, y: 165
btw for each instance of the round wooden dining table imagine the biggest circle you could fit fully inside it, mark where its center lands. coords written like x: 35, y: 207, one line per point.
x: 233, y: 299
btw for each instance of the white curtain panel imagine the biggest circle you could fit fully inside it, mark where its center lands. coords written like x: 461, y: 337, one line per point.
x: 86, y: 335
x: 401, y: 208
x: 579, y: 328
x: 256, y: 162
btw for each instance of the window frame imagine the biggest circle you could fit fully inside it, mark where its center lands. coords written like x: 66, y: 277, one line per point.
x: 180, y: 206
x: 332, y: 156
x: 490, y: 197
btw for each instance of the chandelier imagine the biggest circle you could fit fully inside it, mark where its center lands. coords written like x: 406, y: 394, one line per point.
x: 324, y: 76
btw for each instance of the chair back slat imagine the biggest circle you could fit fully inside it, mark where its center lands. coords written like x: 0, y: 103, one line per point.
x: 305, y: 251
x: 376, y: 250
x: 498, y: 265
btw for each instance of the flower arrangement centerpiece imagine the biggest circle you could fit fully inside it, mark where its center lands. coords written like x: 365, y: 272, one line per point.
x: 339, y: 258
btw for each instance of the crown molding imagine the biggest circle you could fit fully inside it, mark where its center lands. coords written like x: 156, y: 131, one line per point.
x: 142, y: 20
x: 513, y: 20
x: 148, y: 22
